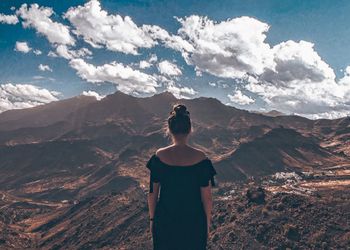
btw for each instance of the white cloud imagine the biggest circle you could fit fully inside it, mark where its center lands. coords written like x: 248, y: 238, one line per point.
x: 240, y: 98
x: 8, y: 19
x: 144, y: 64
x: 229, y: 49
x: 153, y: 58
x: 98, y: 28
x: 176, y: 89
x: 179, y: 91
x: 171, y: 41
x: 302, y: 83
x: 52, y: 54
x: 94, y: 94
x: 65, y: 52
x: 290, y: 77
x: 37, y: 52
x: 22, y: 47
x: 19, y: 96
x: 117, y: 33
x: 127, y: 79
x: 295, y: 62
x: 39, y: 19
x: 167, y: 68
x: 43, y: 67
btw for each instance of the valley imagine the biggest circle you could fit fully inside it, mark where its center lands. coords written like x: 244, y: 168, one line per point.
x: 73, y: 175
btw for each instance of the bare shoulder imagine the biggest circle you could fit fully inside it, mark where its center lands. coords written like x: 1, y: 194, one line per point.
x: 199, y: 153
x: 161, y: 151
x: 192, y: 154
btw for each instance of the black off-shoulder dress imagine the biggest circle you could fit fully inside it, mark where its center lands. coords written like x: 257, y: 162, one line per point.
x: 180, y: 221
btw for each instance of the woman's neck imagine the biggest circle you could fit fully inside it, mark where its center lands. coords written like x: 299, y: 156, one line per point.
x: 181, y: 142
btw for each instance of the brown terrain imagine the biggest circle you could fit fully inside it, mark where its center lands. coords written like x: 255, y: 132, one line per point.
x: 73, y: 176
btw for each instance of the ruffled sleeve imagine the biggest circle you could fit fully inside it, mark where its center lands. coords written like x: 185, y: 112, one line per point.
x: 153, y: 166
x: 207, y: 174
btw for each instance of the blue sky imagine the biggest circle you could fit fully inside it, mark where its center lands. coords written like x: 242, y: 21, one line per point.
x: 322, y: 23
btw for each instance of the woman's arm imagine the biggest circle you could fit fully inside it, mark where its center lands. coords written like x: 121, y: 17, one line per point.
x: 206, y: 197
x: 153, y: 198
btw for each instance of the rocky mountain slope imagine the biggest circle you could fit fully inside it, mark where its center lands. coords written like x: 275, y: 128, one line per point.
x: 73, y: 173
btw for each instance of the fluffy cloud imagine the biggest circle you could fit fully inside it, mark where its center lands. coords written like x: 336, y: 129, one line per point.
x: 52, y: 54
x: 174, y: 42
x: 19, y: 96
x: 39, y: 19
x: 37, y: 52
x: 290, y: 77
x: 180, y: 91
x: 94, y: 94
x: 127, y: 79
x: 65, y: 52
x: 240, y: 98
x: 229, y: 49
x: 8, y: 19
x: 43, y: 67
x: 117, y: 33
x: 98, y: 28
x: 167, y: 68
x: 295, y: 62
x: 22, y: 47
x: 144, y: 64
x: 153, y: 58
x: 302, y: 83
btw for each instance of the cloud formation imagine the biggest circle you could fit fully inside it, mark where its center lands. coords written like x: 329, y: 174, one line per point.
x: 94, y: 94
x: 174, y: 42
x: 22, y: 47
x: 229, y: 49
x: 37, y: 52
x: 19, y: 96
x: 67, y: 53
x: 39, y: 18
x: 239, y: 98
x: 290, y: 76
x: 127, y: 79
x: 169, y: 69
x: 8, y: 19
x: 118, y: 33
x: 301, y: 83
x: 98, y: 28
x: 43, y: 67
x: 177, y: 90
x: 144, y: 64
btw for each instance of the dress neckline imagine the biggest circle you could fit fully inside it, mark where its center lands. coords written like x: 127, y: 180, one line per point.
x: 179, y: 166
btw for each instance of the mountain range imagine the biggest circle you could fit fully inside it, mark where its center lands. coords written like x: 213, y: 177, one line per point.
x: 70, y: 158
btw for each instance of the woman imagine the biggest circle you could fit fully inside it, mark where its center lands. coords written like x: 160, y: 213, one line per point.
x: 180, y: 219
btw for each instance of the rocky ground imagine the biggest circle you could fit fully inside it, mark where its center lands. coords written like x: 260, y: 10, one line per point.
x: 278, y: 215
x: 282, y: 221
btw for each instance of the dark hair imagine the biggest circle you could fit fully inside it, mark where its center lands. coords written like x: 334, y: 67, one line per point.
x: 179, y: 121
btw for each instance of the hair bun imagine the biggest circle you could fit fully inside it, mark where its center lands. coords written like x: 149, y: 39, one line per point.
x: 180, y: 109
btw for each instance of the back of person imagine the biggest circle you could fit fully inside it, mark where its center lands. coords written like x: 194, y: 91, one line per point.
x: 180, y: 200
x: 180, y: 155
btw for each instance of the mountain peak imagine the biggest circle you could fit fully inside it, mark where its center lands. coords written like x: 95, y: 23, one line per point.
x: 165, y: 94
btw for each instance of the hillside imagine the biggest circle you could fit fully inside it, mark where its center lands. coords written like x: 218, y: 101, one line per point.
x: 73, y: 171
